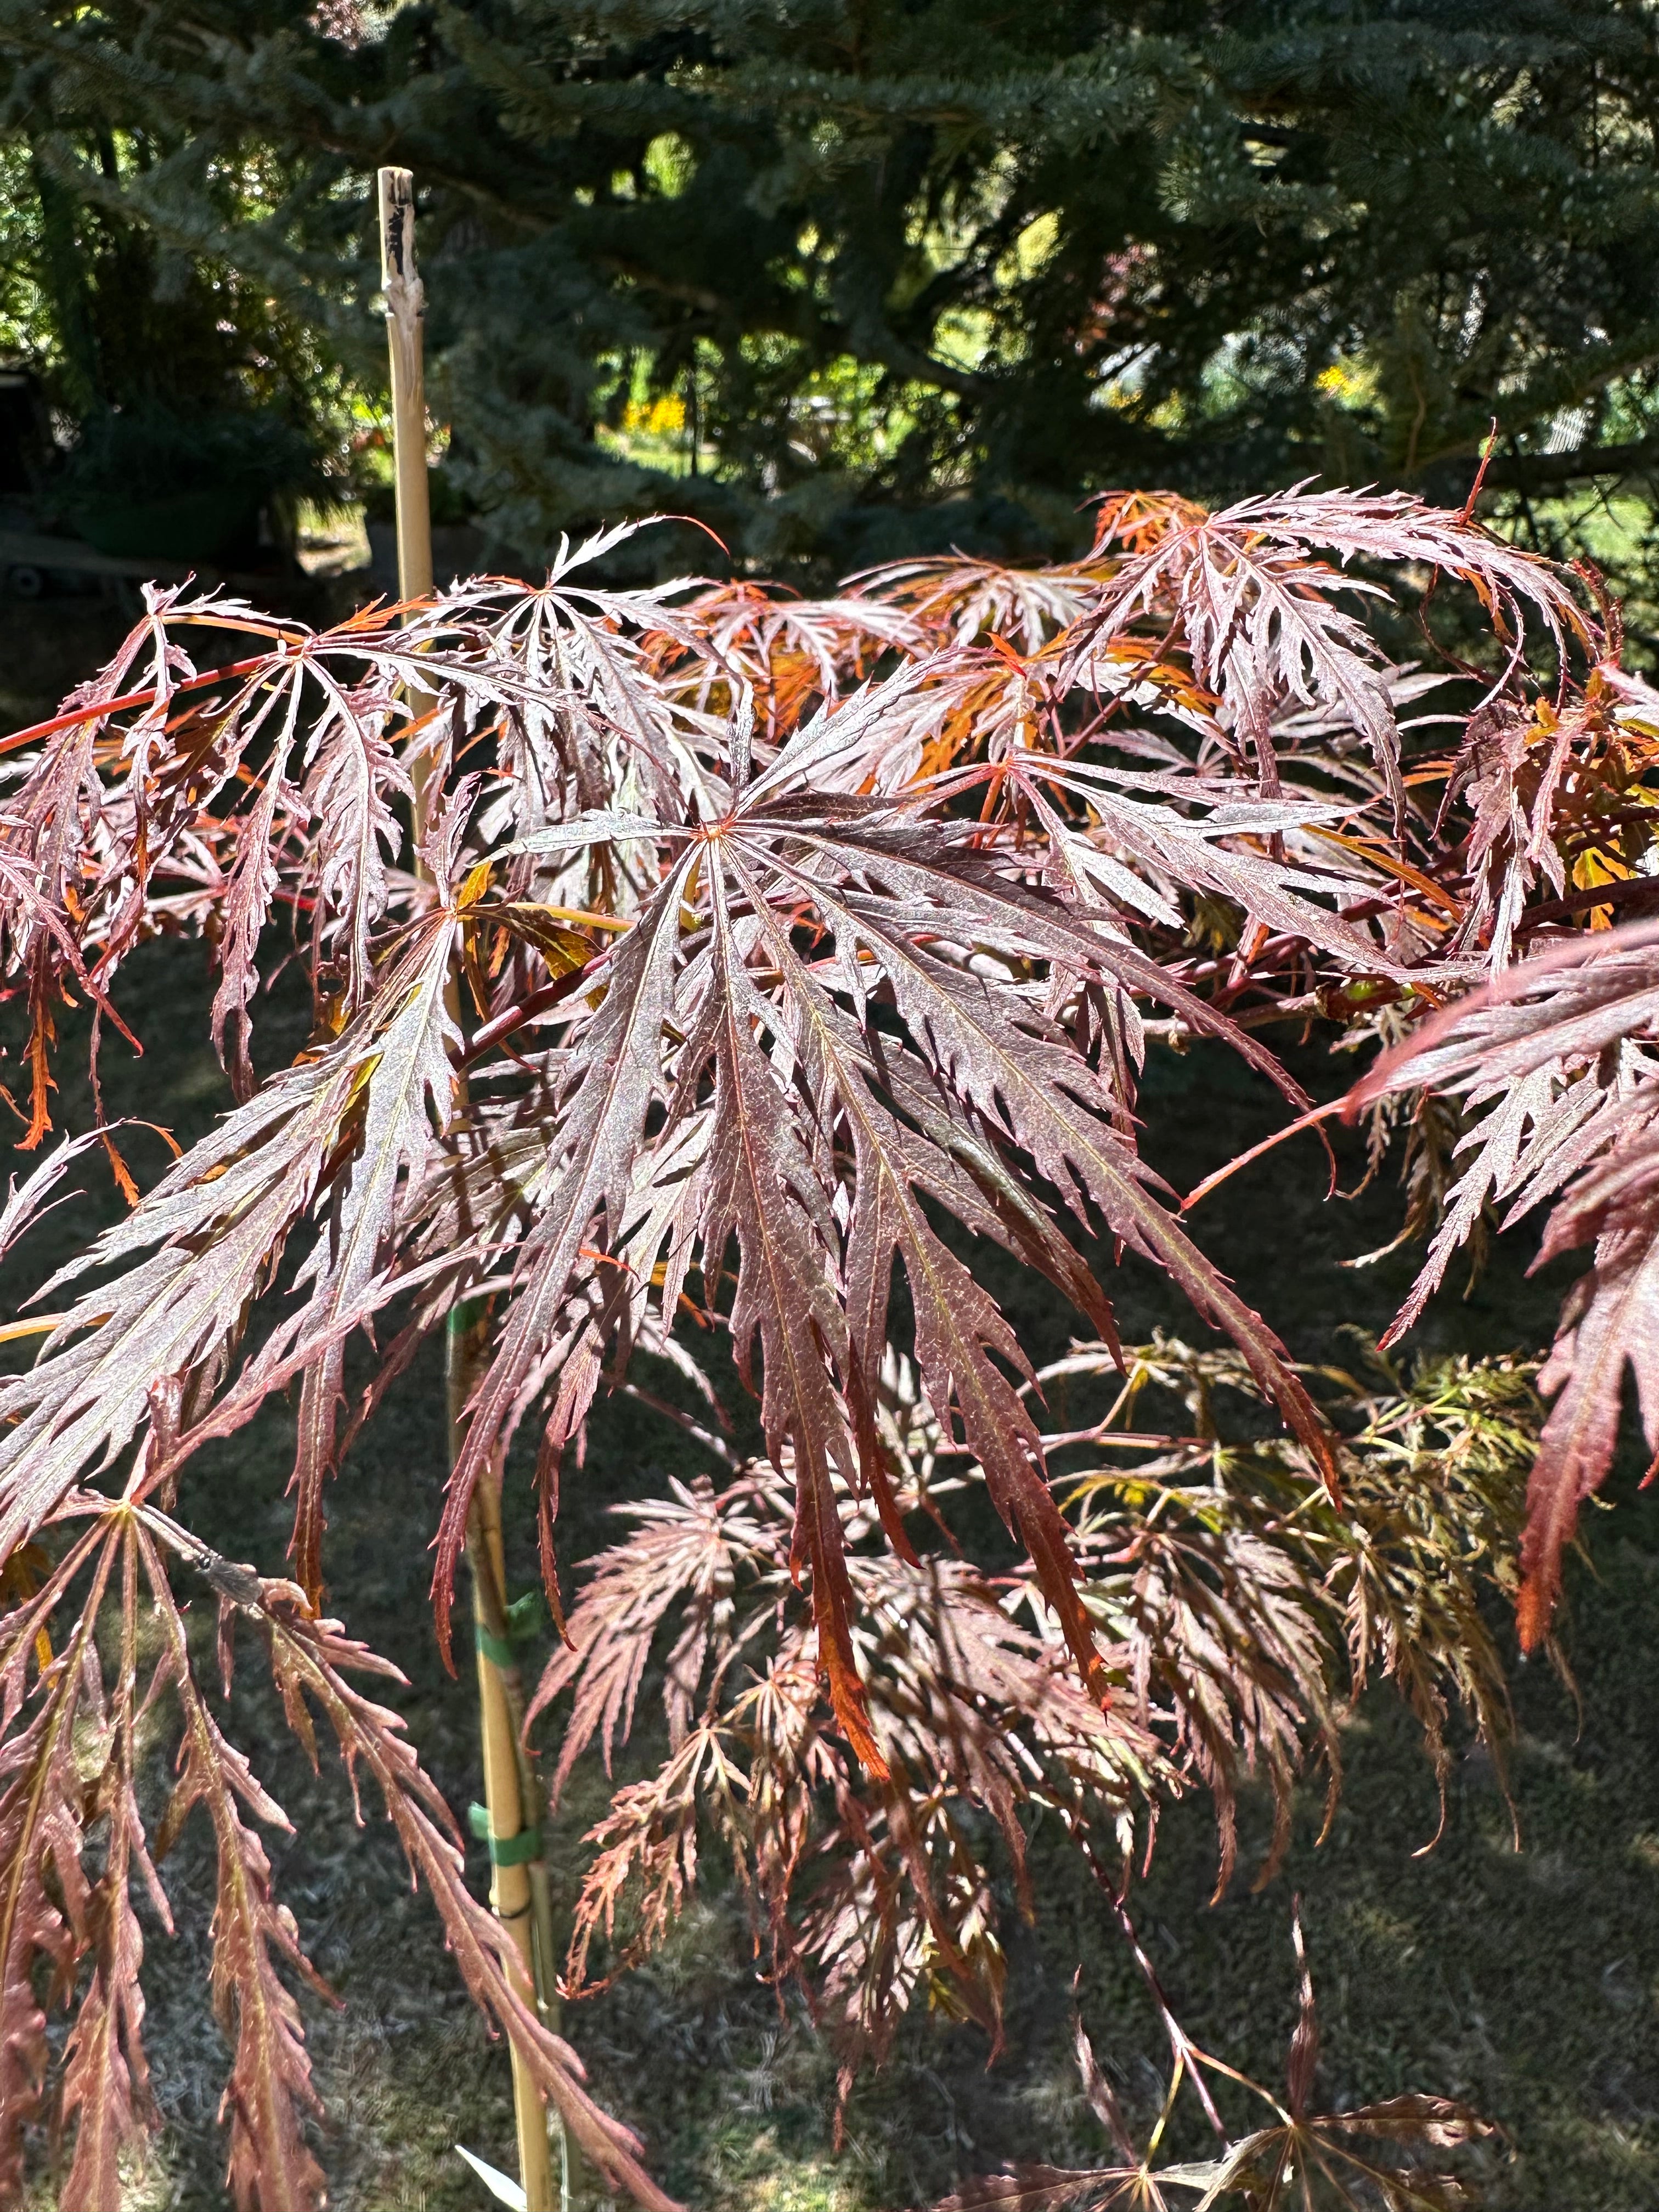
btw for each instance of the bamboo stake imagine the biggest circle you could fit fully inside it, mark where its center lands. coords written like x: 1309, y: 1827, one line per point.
x: 405, y: 316
x: 513, y: 1892
x: 519, y: 1889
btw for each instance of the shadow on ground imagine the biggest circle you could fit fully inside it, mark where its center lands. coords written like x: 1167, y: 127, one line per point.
x: 1525, y: 1980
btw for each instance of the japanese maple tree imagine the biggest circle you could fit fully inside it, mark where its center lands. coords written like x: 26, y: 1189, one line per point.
x: 696, y: 962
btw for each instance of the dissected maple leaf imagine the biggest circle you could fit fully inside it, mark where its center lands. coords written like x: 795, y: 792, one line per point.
x: 799, y: 936
x: 61, y: 1726
x: 1237, y: 1608
x: 1554, y: 1049
x: 1372, y: 2155
x: 44, y: 1895
x: 1260, y: 621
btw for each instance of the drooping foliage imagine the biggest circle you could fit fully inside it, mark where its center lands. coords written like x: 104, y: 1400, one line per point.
x: 1236, y: 1607
x: 1558, y: 1052
x: 753, y: 963
x: 1392, y: 2155
x: 850, y: 281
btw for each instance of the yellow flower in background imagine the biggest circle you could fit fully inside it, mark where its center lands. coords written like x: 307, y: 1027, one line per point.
x: 657, y: 418
x: 1345, y: 380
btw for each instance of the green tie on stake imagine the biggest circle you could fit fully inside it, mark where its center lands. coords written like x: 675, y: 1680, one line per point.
x: 519, y: 1889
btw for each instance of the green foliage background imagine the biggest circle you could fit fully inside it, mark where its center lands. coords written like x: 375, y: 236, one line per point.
x: 847, y: 277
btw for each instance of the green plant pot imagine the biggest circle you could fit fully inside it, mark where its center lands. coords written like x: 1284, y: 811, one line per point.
x: 190, y: 526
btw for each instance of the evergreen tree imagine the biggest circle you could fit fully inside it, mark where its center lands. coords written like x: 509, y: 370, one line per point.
x: 179, y: 373
x: 847, y: 278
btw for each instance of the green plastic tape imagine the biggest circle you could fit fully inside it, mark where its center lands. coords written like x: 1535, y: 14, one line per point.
x: 495, y: 1649
x: 524, y: 1616
x: 523, y: 1619
x: 504, y: 1850
x: 516, y: 1850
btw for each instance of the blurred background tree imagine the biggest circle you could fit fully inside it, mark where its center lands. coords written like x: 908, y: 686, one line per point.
x: 846, y: 278
x: 187, y: 402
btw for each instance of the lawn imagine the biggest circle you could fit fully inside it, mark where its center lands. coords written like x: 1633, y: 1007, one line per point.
x: 1524, y: 1980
